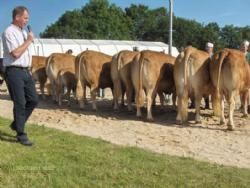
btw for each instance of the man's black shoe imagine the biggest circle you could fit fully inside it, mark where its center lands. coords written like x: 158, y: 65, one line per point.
x: 23, y: 139
x: 13, y: 126
x: 25, y: 142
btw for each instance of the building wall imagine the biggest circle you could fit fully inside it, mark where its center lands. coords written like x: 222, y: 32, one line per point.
x: 44, y: 47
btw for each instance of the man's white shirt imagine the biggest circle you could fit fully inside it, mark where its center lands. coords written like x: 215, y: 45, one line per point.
x: 12, y: 38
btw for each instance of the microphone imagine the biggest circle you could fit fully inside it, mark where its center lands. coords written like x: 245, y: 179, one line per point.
x: 29, y: 28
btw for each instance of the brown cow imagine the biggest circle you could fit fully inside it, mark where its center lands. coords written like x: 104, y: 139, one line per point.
x: 121, y: 76
x: 92, y: 70
x: 153, y: 72
x: 230, y: 75
x: 38, y: 71
x: 55, y: 62
x: 191, y: 75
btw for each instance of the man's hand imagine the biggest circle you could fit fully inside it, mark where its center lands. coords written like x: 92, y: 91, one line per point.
x: 30, y: 36
x: 21, y: 49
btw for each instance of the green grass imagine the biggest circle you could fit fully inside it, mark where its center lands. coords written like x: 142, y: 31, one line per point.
x: 61, y: 159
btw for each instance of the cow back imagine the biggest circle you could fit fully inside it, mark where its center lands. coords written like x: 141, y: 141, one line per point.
x: 94, y: 67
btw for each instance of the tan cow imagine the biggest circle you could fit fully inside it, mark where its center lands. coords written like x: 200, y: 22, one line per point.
x: 92, y: 70
x: 121, y: 76
x: 191, y: 75
x: 55, y: 62
x: 38, y: 71
x: 152, y: 72
x: 66, y: 79
x: 230, y: 76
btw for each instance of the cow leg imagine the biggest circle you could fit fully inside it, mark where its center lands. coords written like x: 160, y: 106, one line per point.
x: 129, y: 93
x: 138, y: 108
x: 182, y: 114
x: 178, y: 117
x: 174, y: 100
x: 48, y: 86
x: 81, y: 93
x: 42, y: 90
x: 222, y: 116
x: 245, y: 98
x: 59, y: 94
x: 115, y: 101
x: 68, y: 94
x: 54, y: 91
x: 74, y: 94
x: 93, y: 91
x: 117, y: 93
x: 230, y: 124
x: 197, y: 109
x: 162, y: 98
x: 138, y: 111
x: 150, y: 96
x: 123, y: 96
x: 85, y: 94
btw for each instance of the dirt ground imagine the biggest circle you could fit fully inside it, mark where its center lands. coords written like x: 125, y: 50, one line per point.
x: 207, y: 141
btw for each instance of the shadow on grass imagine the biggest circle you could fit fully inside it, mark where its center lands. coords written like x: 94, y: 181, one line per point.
x: 6, y: 137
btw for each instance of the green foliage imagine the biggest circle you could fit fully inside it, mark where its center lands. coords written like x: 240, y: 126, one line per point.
x: 99, y: 19
x: 186, y: 32
x: 231, y: 36
x: 62, y: 159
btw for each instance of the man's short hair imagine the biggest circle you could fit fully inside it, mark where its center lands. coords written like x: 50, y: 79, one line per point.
x: 18, y: 11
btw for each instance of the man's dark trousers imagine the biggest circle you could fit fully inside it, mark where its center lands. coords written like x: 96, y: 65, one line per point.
x: 23, y: 94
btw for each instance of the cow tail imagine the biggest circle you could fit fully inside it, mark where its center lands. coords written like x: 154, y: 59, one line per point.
x: 79, y: 90
x: 48, y: 61
x: 217, y: 99
x: 140, y: 94
x: 118, y: 85
x: 50, y: 80
x: 187, y: 54
x: 184, y: 101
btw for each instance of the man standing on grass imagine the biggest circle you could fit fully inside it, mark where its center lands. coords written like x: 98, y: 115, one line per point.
x: 17, y: 62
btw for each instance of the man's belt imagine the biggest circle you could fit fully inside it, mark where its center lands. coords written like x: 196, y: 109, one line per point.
x: 18, y: 67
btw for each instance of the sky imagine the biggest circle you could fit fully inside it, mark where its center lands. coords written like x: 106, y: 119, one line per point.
x: 46, y: 12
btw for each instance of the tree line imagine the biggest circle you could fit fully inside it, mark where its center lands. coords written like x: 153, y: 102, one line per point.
x: 99, y: 19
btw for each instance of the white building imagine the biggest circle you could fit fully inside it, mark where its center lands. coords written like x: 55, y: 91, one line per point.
x: 44, y: 47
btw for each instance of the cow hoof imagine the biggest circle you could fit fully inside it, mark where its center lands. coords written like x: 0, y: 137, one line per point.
x: 222, y: 122
x: 116, y: 110
x: 138, y: 114
x: 230, y: 127
x: 185, y: 123
x: 245, y: 115
x: 150, y: 120
x: 182, y: 123
x: 198, y: 121
x: 178, y: 122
